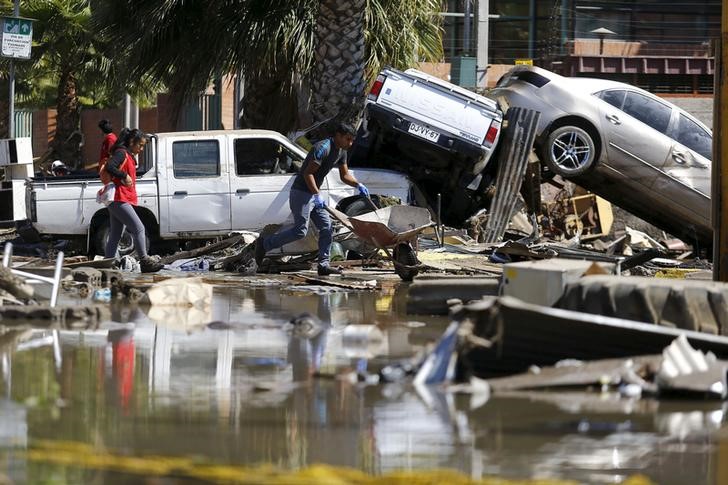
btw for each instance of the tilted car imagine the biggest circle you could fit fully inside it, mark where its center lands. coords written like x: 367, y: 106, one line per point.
x: 629, y: 146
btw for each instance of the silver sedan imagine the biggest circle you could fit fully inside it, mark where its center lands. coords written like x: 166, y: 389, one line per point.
x: 629, y: 146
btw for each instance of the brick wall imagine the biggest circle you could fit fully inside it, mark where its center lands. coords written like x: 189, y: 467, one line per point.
x: 44, y: 129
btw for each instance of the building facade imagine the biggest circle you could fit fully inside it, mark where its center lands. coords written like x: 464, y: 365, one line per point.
x: 664, y: 46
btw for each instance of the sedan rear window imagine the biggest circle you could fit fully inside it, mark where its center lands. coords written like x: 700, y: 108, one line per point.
x: 648, y: 111
x: 690, y: 134
x: 615, y: 97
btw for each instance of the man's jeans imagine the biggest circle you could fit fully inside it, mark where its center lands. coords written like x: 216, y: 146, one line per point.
x: 302, y: 208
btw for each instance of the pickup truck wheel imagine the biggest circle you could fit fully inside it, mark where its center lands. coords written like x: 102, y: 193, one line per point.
x: 126, y: 243
x: 569, y: 151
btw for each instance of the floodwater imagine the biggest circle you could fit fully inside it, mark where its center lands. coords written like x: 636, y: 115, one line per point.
x: 246, y: 391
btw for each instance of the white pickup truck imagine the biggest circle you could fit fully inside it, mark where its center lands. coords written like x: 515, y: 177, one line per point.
x: 440, y: 134
x: 198, y: 185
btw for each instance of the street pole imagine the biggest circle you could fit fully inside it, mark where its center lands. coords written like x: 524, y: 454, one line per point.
x: 719, y: 183
x: 11, y: 84
x: 481, y: 59
x: 466, y: 29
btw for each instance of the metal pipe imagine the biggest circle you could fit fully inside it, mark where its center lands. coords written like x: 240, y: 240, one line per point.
x: 440, y: 231
x: 466, y: 29
x: 7, y: 254
x: 11, y: 84
x: 57, y: 278
x: 127, y: 111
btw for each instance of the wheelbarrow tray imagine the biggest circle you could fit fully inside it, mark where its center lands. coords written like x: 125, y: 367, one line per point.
x: 391, y: 225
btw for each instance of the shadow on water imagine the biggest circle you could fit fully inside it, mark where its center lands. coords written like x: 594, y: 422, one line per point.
x: 238, y: 385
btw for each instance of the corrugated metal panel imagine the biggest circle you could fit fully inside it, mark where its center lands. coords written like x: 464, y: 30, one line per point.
x: 23, y: 124
x: 519, y: 134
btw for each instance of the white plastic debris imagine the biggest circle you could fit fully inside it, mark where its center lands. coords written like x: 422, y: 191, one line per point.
x: 362, y: 341
x: 679, y: 358
x: 179, y: 292
x: 684, y: 369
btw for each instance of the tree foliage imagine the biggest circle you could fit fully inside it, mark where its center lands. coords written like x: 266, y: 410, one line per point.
x: 187, y: 43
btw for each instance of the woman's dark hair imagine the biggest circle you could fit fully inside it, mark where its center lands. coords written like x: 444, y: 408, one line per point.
x: 127, y: 137
x: 105, y: 126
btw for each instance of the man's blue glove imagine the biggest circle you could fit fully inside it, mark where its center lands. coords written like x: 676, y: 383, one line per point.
x: 318, y: 201
x: 363, y: 190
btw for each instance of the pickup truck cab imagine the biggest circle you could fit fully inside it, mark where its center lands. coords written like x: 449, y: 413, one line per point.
x: 198, y: 185
x: 440, y: 134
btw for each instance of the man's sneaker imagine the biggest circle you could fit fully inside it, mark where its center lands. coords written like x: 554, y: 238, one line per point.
x: 328, y: 270
x: 149, y: 265
x: 259, y: 250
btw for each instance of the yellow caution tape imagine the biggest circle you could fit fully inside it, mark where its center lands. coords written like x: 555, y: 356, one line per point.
x: 83, y: 455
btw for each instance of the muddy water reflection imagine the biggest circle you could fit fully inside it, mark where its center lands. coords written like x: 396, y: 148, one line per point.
x: 245, y: 390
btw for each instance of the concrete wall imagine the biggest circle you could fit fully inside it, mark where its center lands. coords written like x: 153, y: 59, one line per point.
x: 700, y: 107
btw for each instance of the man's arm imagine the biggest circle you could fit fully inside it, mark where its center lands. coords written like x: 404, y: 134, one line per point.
x: 308, y: 177
x: 346, y: 176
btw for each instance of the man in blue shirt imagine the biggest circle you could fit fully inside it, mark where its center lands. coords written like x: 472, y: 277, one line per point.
x: 324, y: 156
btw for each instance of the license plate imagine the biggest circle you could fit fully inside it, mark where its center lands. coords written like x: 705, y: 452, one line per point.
x: 423, y: 132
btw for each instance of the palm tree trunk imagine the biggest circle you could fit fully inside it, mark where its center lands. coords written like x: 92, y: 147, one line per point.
x: 337, y: 87
x: 66, y: 141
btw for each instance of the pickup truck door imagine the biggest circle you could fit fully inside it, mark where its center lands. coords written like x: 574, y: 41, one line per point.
x: 260, y: 180
x: 198, y: 184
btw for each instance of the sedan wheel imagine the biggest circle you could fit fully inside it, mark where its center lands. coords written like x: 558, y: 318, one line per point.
x: 569, y: 151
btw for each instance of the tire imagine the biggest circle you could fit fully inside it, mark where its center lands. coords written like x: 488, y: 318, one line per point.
x: 357, y: 248
x: 405, y: 254
x: 126, y: 244
x: 569, y: 151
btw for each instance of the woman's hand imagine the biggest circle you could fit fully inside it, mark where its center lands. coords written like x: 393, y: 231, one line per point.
x: 127, y: 180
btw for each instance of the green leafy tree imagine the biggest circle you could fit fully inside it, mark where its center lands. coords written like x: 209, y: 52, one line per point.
x: 67, y: 70
x: 302, y: 60
x: 64, y: 52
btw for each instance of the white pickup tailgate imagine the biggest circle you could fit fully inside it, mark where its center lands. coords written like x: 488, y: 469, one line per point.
x: 434, y: 105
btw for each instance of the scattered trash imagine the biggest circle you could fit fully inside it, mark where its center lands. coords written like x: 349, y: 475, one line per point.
x: 128, y: 264
x: 185, y: 292
x: 304, y: 325
x: 197, y: 265
x: 686, y: 370
x: 363, y: 341
x: 102, y: 295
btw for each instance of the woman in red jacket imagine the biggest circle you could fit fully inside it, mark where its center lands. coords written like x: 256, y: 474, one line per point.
x: 109, y: 141
x: 122, y: 168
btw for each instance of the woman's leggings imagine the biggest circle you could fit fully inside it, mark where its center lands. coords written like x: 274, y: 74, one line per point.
x: 122, y: 214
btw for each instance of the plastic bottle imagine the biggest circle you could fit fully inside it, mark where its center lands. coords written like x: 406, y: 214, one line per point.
x: 195, y: 265
x: 102, y: 295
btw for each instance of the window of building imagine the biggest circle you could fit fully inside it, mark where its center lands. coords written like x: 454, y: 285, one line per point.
x: 255, y: 156
x: 509, y: 41
x: 196, y: 158
x: 690, y: 134
x: 648, y: 111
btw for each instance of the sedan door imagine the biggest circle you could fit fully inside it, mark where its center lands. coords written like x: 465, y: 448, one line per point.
x: 635, y: 128
x: 198, y: 186
x: 261, y: 182
x: 687, y: 169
